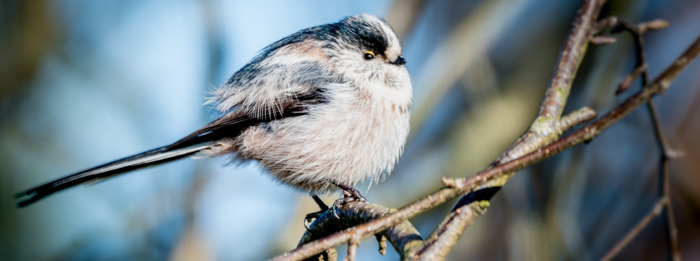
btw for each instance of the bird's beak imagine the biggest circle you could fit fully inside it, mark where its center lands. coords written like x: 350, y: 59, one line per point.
x: 399, y: 61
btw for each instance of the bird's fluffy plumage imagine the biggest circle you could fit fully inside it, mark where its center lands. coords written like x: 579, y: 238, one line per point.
x: 356, y: 124
x: 326, y: 105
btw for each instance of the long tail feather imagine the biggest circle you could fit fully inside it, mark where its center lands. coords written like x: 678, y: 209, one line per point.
x: 138, y: 161
x: 228, y: 126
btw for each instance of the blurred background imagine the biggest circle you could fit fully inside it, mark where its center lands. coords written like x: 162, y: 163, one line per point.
x: 86, y: 82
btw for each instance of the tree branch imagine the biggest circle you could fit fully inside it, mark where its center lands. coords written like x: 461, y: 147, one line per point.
x: 655, y: 211
x: 480, y: 187
x: 402, y: 236
x: 546, y: 128
x: 470, y: 184
x: 667, y: 153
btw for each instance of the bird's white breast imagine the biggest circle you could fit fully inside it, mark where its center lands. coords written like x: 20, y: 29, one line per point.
x: 358, y: 134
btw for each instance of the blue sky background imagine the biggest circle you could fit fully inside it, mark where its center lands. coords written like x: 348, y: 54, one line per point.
x: 119, y: 77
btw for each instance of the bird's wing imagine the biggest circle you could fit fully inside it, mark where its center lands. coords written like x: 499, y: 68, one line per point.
x: 282, y: 75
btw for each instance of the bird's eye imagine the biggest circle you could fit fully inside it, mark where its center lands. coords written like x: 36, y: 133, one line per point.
x: 368, y: 55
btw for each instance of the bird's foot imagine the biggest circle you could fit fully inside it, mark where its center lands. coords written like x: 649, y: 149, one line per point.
x: 314, y: 215
x: 350, y: 194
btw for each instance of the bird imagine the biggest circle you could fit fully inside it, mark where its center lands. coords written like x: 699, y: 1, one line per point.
x: 322, y: 109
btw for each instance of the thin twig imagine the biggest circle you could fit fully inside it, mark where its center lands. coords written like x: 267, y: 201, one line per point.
x: 667, y: 153
x: 352, y: 249
x: 669, y: 220
x: 381, y: 240
x: 655, y: 211
x: 626, y: 82
x: 574, y: 119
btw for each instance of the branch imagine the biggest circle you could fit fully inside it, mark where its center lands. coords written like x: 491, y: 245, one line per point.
x: 667, y: 153
x: 343, y: 216
x: 655, y: 211
x: 546, y: 128
x: 470, y: 184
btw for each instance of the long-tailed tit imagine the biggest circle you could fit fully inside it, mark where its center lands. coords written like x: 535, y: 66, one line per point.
x: 324, y: 108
